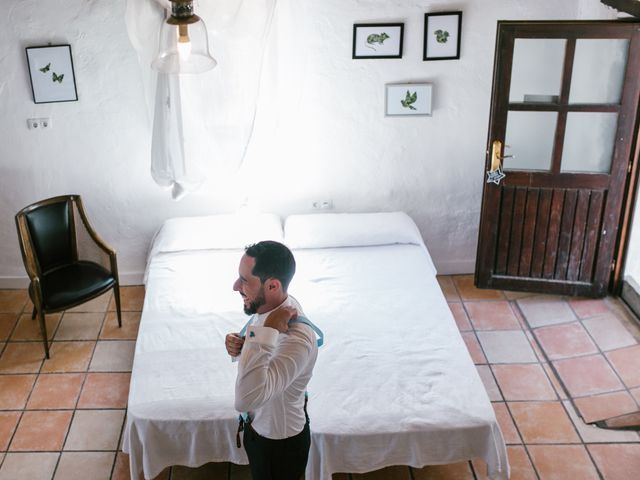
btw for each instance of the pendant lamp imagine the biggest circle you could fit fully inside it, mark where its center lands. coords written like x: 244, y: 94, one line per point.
x: 184, y: 45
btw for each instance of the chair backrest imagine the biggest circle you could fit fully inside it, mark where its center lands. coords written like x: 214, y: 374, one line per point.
x: 50, y: 228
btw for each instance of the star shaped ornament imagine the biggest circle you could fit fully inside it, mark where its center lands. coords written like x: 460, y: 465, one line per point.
x: 495, y: 176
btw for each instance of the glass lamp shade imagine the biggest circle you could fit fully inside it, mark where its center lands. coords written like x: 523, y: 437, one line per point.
x: 184, y: 48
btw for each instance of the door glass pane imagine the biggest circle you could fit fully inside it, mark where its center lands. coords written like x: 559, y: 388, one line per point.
x: 588, y: 142
x: 530, y: 135
x: 537, y: 70
x: 598, y: 70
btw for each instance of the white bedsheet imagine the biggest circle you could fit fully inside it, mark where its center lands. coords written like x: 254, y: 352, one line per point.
x: 393, y: 385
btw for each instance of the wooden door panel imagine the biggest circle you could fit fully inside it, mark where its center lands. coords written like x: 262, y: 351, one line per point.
x: 528, y: 232
x: 517, y: 223
x: 548, y: 233
x: 541, y: 232
x: 553, y: 234
x: 506, y: 211
x: 547, y: 229
x: 566, y: 231
x: 577, y: 236
x: 594, y: 220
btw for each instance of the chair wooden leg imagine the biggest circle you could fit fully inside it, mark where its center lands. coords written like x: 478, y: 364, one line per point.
x: 33, y: 314
x: 43, y: 330
x: 116, y: 294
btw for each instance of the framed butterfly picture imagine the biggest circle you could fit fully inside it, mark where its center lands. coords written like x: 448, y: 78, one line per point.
x: 51, y: 73
x: 408, y: 99
x: 442, y: 32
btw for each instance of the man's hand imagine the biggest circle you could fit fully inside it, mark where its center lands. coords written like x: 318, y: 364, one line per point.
x: 279, y: 318
x: 234, y: 343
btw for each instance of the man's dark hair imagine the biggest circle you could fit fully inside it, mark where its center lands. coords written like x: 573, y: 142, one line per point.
x: 273, y: 260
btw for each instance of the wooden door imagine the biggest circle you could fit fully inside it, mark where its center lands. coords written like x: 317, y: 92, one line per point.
x: 565, y: 98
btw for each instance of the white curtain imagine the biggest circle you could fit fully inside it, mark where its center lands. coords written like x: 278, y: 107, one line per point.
x: 202, y: 124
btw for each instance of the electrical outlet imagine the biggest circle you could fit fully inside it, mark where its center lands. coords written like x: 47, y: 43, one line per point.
x: 39, y: 123
x: 323, y: 204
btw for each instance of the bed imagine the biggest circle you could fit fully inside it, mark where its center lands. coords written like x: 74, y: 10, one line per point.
x: 393, y: 384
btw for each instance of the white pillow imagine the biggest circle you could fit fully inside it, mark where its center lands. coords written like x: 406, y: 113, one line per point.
x: 328, y: 230
x: 226, y: 231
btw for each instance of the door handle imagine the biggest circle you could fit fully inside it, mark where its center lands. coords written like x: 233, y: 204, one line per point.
x: 495, y: 174
x: 496, y: 157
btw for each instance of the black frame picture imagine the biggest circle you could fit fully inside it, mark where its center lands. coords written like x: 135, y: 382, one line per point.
x: 51, y: 73
x: 442, y: 34
x: 377, y: 40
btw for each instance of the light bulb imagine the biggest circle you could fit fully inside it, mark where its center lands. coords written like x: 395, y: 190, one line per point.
x: 184, y: 43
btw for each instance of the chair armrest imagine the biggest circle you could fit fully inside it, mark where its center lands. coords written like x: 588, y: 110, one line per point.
x: 29, y: 258
x: 93, y: 234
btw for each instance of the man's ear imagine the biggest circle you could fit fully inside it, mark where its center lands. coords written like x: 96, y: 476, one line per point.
x: 273, y: 285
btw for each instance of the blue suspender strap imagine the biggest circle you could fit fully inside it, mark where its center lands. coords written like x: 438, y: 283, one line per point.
x: 246, y: 325
x: 299, y: 319
x: 306, y: 321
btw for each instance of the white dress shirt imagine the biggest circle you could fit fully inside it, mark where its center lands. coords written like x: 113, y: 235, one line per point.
x: 273, y: 373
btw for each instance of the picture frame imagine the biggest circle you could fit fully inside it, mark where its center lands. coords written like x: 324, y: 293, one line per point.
x: 408, y: 99
x: 51, y: 74
x: 377, y: 40
x: 442, y: 34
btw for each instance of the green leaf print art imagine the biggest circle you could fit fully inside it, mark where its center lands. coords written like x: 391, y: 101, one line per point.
x: 409, y: 100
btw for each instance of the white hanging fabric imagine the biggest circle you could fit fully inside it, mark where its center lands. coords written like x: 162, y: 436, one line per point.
x: 202, y: 124
x: 168, y: 161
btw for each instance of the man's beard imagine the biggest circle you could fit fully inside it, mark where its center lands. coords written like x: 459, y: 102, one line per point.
x: 256, y: 304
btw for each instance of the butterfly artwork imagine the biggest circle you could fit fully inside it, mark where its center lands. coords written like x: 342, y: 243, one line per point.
x: 409, y: 100
x: 51, y: 73
x: 54, y: 76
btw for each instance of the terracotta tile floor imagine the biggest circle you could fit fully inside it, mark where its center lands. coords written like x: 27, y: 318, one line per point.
x: 63, y: 418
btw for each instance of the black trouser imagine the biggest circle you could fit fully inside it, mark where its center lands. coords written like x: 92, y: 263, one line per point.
x: 284, y: 459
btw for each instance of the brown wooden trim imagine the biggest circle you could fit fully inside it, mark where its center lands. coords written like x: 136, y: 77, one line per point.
x: 594, y: 220
x: 556, y: 107
x: 632, y: 7
x: 553, y: 234
x: 592, y: 181
x: 578, y: 236
x: 491, y: 194
x: 560, y: 287
x: 72, y: 225
x: 630, y: 194
x: 504, y: 229
x: 627, y: 122
x: 528, y: 232
x: 542, y: 226
x: 517, y: 224
x: 570, y: 29
x: 566, y: 234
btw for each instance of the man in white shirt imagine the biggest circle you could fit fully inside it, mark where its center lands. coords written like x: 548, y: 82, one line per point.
x: 276, y: 361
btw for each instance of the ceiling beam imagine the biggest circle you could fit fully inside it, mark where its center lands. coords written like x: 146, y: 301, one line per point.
x: 631, y: 7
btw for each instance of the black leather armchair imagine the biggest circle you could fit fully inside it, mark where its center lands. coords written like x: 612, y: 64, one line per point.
x: 67, y: 262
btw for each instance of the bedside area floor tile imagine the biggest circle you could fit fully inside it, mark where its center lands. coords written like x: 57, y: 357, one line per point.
x: 548, y: 363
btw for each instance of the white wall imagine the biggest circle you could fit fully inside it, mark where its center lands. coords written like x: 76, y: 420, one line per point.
x: 320, y: 132
x: 632, y: 263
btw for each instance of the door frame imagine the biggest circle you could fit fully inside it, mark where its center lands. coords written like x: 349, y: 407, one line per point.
x: 628, y: 210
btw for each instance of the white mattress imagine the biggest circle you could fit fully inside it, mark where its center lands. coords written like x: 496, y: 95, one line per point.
x: 393, y: 385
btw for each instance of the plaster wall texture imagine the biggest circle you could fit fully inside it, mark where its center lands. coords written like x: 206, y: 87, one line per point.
x: 320, y: 129
x: 632, y: 264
